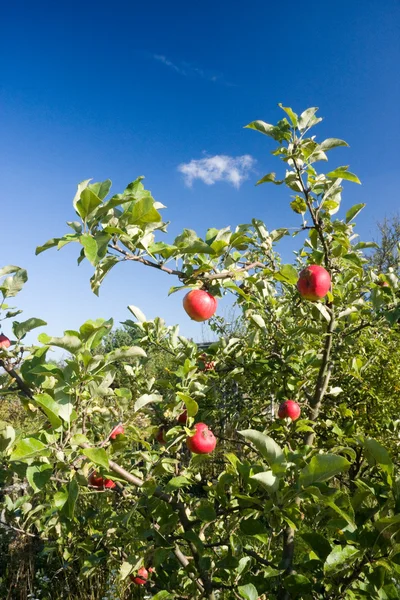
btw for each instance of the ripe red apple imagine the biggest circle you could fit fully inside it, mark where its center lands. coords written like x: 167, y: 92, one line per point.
x: 183, y: 417
x: 141, y: 577
x: 203, y: 441
x: 199, y: 305
x: 100, y: 482
x: 314, y: 282
x: 160, y: 436
x: 4, y: 341
x: 290, y: 409
x: 118, y: 430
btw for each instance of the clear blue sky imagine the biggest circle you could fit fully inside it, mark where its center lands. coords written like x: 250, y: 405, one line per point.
x: 121, y: 89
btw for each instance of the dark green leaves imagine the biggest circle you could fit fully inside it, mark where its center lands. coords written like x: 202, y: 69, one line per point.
x: 323, y: 467
x: 318, y: 544
x: 265, y: 445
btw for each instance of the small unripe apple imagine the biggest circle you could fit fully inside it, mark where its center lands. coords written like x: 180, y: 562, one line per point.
x: 199, y: 305
x: 314, y: 283
x: 183, y: 417
x: 4, y: 341
x: 207, y: 365
x: 290, y: 409
x: 383, y: 284
x: 160, y: 436
x: 203, y: 441
x: 141, y: 577
x: 119, y: 430
x: 100, y: 482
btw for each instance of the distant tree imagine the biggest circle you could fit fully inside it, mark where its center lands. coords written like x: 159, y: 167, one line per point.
x: 387, y: 255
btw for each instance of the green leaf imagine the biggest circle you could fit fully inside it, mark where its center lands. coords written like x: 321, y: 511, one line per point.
x: 26, y: 448
x: 124, y: 353
x: 318, y: 544
x: 101, y: 188
x: 261, y: 126
x: 343, y: 173
x: 71, y: 343
x: 143, y: 212
x: 137, y: 313
x: 378, y: 455
x: 290, y: 113
x: 269, y: 178
x: 340, y: 558
x: 60, y: 498
x: 73, y: 492
x: 38, y: 475
x: 258, y: 320
x: 206, y: 512
x: 21, y: 329
x: 50, y: 408
x: 298, y: 584
x: 298, y: 205
x: 49, y: 244
x: 288, y: 274
x: 87, y: 203
x: 191, y: 405
x: 14, y: 284
x: 265, y: 445
x: 146, y: 399
x: 330, y: 143
x: 248, y: 591
x: 163, y: 595
x: 101, y: 271
x: 307, y: 118
x: 177, y: 482
x: 90, y: 247
x: 97, y: 456
x: 7, y: 436
x: 354, y: 211
x: 267, y: 480
x: 8, y: 270
x: 322, y: 467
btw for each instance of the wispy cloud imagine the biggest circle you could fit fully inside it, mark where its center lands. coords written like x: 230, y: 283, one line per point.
x: 232, y: 169
x: 188, y: 70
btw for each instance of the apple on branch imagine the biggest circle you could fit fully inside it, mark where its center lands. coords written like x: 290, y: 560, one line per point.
x: 314, y: 283
x: 203, y: 441
x: 4, y: 341
x: 289, y: 409
x: 200, y: 305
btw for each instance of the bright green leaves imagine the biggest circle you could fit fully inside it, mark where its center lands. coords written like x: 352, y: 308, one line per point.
x: 68, y: 342
x: 308, y: 119
x: 248, y: 592
x: 377, y: 454
x: 331, y: 143
x: 292, y: 115
x: 279, y: 132
x: 98, y: 456
x: 27, y: 448
x: 50, y: 408
x: 298, y: 205
x: 191, y: 405
x: 343, y: 173
x: 287, y: 274
x: 87, y: 203
x: 354, y: 211
x: 323, y: 467
x: 270, y: 178
x: 266, y: 446
x: 146, y: 399
x: 11, y: 285
x: 340, y: 558
x: 268, y: 480
x: 7, y: 436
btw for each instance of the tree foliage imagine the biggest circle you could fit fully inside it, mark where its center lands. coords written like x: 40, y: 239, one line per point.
x: 281, y: 510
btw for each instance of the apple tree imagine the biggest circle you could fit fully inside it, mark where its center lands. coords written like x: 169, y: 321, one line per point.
x: 120, y: 481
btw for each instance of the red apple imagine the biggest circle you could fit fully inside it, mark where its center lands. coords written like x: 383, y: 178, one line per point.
x: 183, y: 417
x: 160, y: 436
x: 199, y: 305
x: 141, y: 577
x: 290, y: 409
x: 314, y: 282
x: 4, y: 341
x: 118, y: 430
x: 100, y: 482
x: 203, y: 441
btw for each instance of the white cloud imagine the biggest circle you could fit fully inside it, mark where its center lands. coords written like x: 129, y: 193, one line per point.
x: 169, y: 63
x: 232, y: 169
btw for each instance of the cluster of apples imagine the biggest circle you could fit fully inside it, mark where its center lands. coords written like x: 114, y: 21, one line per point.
x: 142, y: 575
x: 98, y: 481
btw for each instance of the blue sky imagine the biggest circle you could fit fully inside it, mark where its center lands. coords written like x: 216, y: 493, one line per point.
x: 116, y: 90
